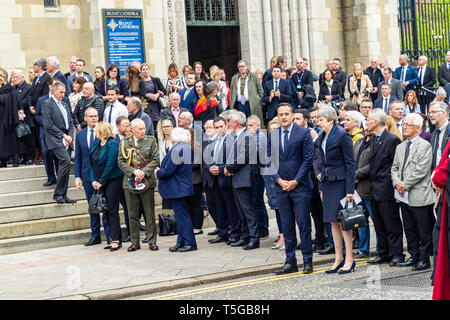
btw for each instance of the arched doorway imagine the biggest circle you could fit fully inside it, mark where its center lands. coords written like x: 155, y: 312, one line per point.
x: 213, y: 33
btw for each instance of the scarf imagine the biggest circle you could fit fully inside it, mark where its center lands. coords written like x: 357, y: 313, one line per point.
x: 243, y: 78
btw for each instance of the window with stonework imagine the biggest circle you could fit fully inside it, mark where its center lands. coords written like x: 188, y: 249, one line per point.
x: 50, y: 4
x: 211, y: 12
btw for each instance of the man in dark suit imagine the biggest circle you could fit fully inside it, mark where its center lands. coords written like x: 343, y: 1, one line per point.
x: 444, y: 71
x: 83, y: 144
x: 50, y: 161
x: 53, y: 70
x: 239, y: 167
x: 340, y: 76
x: 291, y: 151
x: 386, y: 216
x: 384, y: 101
x: 40, y: 85
x: 427, y: 79
x: 188, y: 93
x: 59, y: 128
x: 407, y: 74
x: 173, y: 111
x: 376, y: 77
x: 439, y: 118
x: 228, y: 221
x: 300, y: 78
x: 276, y: 91
x: 396, y: 86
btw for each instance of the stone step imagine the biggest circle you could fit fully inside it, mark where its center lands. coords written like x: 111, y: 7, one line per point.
x: 25, y: 172
x: 62, y: 239
x: 24, y: 185
x: 31, y: 198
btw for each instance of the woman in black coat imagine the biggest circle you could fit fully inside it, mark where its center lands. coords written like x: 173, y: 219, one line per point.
x: 9, y: 108
x: 154, y: 90
x: 330, y: 89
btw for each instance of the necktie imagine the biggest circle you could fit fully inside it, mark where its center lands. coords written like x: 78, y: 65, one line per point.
x: 420, y: 75
x: 403, y: 75
x: 91, y: 138
x: 408, y: 148
x: 217, y: 151
x: 436, y: 148
x: 64, y: 113
x: 110, y: 112
x: 385, y: 107
x: 276, y: 85
x: 286, y: 132
x: 242, y: 87
x: 187, y: 93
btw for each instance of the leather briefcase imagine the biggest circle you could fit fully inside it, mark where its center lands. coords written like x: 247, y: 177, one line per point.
x: 352, y: 218
x: 167, y: 224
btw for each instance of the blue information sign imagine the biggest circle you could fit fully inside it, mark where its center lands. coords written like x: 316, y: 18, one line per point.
x: 124, y: 38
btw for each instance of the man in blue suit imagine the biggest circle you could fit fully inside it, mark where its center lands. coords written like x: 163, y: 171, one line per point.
x: 228, y: 222
x: 188, y: 93
x: 84, y: 142
x: 407, y: 74
x: 276, y: 91
x: 385, y: 99
x: 54, y: 72
x: 47, y: 155
x: 291, y: 152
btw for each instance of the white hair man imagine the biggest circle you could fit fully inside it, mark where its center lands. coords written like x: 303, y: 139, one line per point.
x: 386, y: 217
x: 427, y: 80
x: 53, y: 69
x: 89, y: 99
x: 411, y: 178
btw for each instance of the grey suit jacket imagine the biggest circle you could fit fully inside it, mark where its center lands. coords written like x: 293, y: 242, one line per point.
x: 416, y: 175
x: 54, y: 124
x: 396, y: 89
x: 443, y: 74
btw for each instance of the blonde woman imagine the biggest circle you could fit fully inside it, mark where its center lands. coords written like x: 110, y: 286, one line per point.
x: 165, y: 143
x: 175, y: 82
x: 358, y: 84
x: 222, y: 93
x: 392, y: 128
x: 107, y: 177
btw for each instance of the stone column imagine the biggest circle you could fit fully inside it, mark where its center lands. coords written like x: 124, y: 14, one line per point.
x: 295, y: 30
x: 268, y: 29
x: 304, y: 33
x: 286, y: 30
x: 276, y: 27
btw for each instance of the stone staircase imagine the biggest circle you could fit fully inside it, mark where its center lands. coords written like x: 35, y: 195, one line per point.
x: 30, y: 219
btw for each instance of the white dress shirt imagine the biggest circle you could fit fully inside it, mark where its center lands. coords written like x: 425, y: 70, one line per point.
x: 118, y: 109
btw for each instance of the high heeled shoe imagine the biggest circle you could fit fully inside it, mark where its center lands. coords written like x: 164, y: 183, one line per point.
x: 352, y: 268
x: 113, y: 245
x: 335, y: 270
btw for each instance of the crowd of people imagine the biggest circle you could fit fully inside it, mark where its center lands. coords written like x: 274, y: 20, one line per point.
x: 378, y: 131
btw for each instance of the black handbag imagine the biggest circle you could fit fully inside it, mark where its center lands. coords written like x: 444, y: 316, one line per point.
x: 98, y: 203
x: 22, y: 130
x: 352, y: 218
x: 167, y: 224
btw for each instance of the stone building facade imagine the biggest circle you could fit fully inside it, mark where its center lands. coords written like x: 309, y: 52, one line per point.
x: 354, y: 30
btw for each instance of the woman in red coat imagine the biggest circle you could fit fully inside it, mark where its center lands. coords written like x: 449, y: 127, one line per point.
x: 441, y: 273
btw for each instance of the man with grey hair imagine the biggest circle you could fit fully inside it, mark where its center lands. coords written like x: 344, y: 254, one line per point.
x: 394, y: 84
x: 72, y: 67
x: 386, y: 217
x: 80, y: 65
x: 186, y: 121
x: 135, y: 111
x: 89, y: 99
x: 246, y: 91
x: 39, y: 87
x: 411, y: 178
x: 407, y: 74
x: 241, y: 170
x: 376, y: 77
x: 441, y: 95
x: 427, y: 80
x: 53, y: 69
x: 174, y: 110
x: 438, y: 114
x: 444, y: 71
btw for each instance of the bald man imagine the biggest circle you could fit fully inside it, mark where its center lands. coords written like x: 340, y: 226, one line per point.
x: 89, y: 99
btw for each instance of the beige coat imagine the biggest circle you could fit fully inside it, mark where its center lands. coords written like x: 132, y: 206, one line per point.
x: 366, y: 84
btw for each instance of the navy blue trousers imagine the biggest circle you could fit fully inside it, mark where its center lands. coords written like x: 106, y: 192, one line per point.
x: 227, y: 213
x: 185, y: 230
x: 260, y: 206
x: 95, y: 218
x: 294, y: 207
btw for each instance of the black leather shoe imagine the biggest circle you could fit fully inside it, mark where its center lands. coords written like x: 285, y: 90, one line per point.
x: 377, y: 260
x: 263, y: 233
x: 187, y: 248
x: 239, y: 243
x: 59, y: 199
x: 251, y: 245
x: 396, y: 262
x: 175, y: 248
x: 93, y: 241
x: 29, y: 162
x: 329, y: 249
x: 68, y: 200
x: 421, y: 265
x: 49, y: 183
x: 214, y: 233
x: 217, y: 240
x: 307, y: 268
x: 318, y: 247
x: 126, y: 239
x: 288, y: 268
x: 145, y: 240
x: 408, y: 263
x: 232, y: 240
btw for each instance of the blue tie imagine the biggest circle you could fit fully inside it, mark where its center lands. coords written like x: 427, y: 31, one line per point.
x: 91, y: 139
x: 286, y: 132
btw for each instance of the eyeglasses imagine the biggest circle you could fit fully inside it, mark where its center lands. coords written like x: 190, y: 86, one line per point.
x: 433, y: 112
x: 407, y: 125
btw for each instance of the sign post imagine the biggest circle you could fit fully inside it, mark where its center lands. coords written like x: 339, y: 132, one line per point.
x: 124, y: 40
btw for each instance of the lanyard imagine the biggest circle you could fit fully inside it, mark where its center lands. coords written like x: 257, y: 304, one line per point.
x: 299, y: 79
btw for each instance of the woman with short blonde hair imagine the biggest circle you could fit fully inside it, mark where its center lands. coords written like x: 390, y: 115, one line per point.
x: 358, y: 84
x: 104, y: 131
